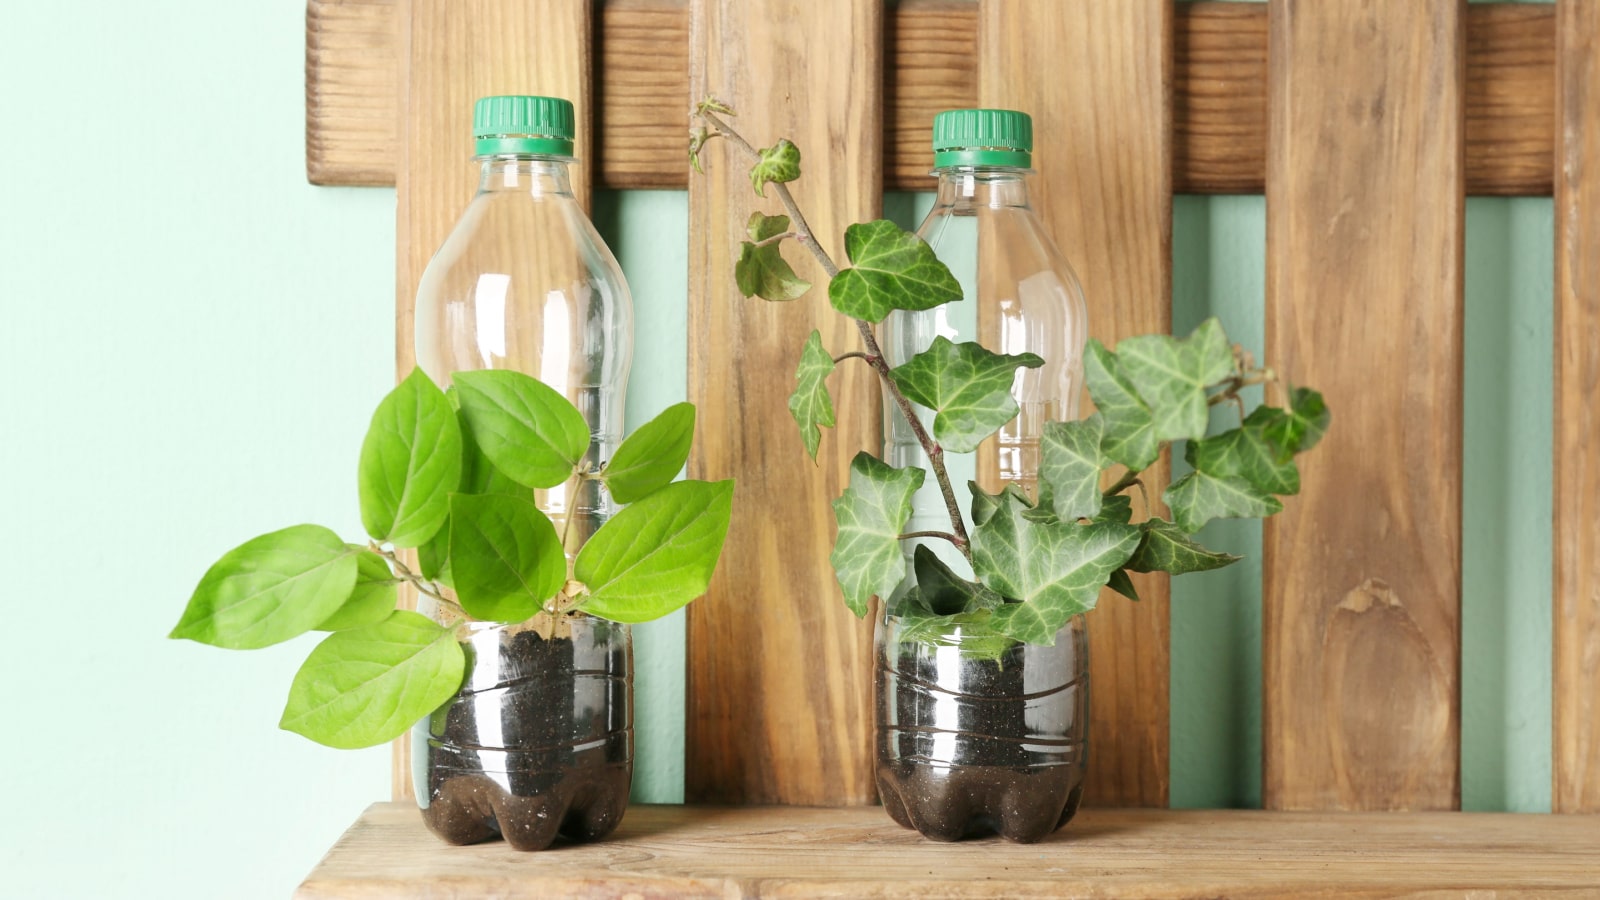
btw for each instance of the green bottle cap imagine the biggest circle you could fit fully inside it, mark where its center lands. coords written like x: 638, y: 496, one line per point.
x: 523, y: 125
x: 982, y: 137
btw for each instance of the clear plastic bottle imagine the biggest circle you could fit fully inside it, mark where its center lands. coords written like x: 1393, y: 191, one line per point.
x: 978, y: 733
x: 1020, y: 296
x: 524, y: 282
x: 539, y: 740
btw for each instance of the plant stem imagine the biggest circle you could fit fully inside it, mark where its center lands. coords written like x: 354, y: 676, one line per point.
x: 774, y: 239
x: 1128, y: 479
x: 1233, y: 386
x: 422, y: 585
x: 578, y: 478
x: 874, y: 354
x: 853, y: 354
x: 944, y: 535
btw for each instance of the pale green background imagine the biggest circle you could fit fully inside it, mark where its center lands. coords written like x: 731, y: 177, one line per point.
x: 192, y: 338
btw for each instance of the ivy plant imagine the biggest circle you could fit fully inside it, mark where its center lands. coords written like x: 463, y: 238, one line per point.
x: 452, y: 475
x: 1036, y: 561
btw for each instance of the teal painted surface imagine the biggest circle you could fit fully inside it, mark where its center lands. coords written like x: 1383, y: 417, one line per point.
x: 646, y: 230
x: 192, y: 340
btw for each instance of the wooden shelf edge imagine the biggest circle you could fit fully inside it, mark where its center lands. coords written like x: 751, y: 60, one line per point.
x: 798, y: 851
x: 1219, y: 99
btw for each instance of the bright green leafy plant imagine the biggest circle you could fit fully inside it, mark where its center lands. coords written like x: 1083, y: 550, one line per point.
x: 1037, y: 561
x: 452, y: 475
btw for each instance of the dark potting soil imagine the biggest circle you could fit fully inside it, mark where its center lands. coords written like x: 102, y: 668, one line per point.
x: 983, y: 759
x: 538, y: 743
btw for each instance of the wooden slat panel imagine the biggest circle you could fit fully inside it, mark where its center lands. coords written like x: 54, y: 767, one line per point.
x: 678, y: 851
x: 1219, y: 104
x: 779, y: 670
x: 1362, y: 583
x: 453, y: 52
x: 1102, y: 147
x: 1577, y: 411
x: 351, y: 91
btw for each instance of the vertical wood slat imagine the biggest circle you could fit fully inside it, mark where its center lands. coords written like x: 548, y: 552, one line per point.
x: 1362, y: 583
x: 350, y: 91
x: 451, y: 53
x: 779, y: 671
x: 1576, y: 742
x: 1096, y: 77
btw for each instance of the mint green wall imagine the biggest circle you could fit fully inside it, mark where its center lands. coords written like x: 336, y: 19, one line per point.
x: 194, y: 337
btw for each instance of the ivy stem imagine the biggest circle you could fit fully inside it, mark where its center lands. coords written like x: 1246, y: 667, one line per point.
x: 944, y: 535
x: 423, y: 585
x: 1128, y: 479
x: 874, y: 354
x: 774, y: 239
x: 853, y: 354
x: 1237, y: 383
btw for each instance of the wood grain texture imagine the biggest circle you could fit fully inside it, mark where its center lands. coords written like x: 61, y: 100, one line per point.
x: 1219, y: 101
x: 779, y: 671
x: 1102, y: 148
x: 452, y: 53
x: 1576, y: 738
x: 351, y: 91
x: 667, y: 851
x: 1361, y: 580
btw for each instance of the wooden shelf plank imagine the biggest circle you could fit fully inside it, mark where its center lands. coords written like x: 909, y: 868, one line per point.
x: 678, y: 851
x: 1219, y: 104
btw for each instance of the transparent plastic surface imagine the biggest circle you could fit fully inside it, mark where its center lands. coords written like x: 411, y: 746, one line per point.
x: 539, y: 741
x: 979, y: 734
x: 1019, y: 296
x: 524, y: 282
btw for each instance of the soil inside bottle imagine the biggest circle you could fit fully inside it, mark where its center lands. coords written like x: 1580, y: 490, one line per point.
x: 537, y: 744
x: 985, y: 775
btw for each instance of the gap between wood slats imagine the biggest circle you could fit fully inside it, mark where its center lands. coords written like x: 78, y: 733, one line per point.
x: 1219, y: 100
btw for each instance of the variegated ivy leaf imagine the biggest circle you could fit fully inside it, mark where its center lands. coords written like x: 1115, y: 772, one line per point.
x: 1129, y: 435
x: 891, y: 269
x: 1070, y: 464
x: 871, y: 514
x: 1167, y: 548
x: 943, y: 591
x: 811, y: 404
x: 967, y: 386
x: 1122, y: 584
x: 1198, y: 497
x: 1246, y: 453
x: 1296, y: 430
x: 780, y: 163
x: 1172, y: 375
x: 1053, y: 571
x: 762, y: 271
x: 1116, y: 509
x: 984, y: 503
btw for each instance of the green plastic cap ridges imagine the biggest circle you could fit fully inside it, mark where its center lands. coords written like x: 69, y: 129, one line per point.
x: 982, y: 137
x: 521, y: 124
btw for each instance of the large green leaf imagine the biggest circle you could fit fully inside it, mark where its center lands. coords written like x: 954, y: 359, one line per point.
x: 943, y: 591
x: 527, y: 429
x: 967, y: 386
x: 374, y: 596
x: 270, y: 589
x: 652, y: 456
x: 890, y: 269
x: 366, y: 686
x: 761, y: 271
x: 871, y: 514
x: 658, y: 554
x: 1246, y: 453
x: 1054, y: 571
x: 1070, y: 464
x: 478, y: 476
x: 1167, y: 548
x: 505, y: 556
x: 1197, y: 498
x: 779, y: 163
x: 972, y: 633
x: 811, y: 404
x: 1172, y: 375
x: 410, y: 461
x: 1299, y: 428
x: 1129, y: 432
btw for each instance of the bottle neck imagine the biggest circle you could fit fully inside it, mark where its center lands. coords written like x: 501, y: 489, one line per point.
x: 536, y: 175
x: 991, y: 186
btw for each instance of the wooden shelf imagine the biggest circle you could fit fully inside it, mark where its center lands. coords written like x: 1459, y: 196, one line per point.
x: 677, y: 851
